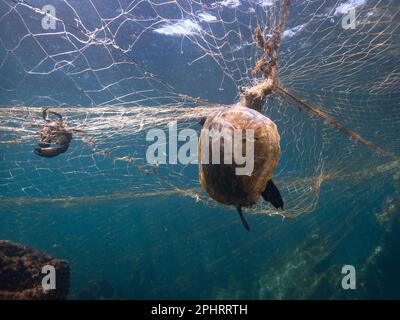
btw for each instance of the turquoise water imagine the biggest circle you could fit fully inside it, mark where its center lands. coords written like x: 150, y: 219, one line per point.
x: 170, y: 247
x: 138, y: 243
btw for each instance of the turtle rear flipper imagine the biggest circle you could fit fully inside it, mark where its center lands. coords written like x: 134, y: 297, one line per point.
x: 244, y: 222
x: 272, y: 194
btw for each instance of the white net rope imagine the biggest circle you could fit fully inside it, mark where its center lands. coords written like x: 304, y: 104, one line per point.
x: 119, y: 68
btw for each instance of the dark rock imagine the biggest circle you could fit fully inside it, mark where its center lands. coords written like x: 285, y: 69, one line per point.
x: 21, y: 273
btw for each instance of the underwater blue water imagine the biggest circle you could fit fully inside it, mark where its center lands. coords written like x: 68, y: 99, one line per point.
x: 170, y: 246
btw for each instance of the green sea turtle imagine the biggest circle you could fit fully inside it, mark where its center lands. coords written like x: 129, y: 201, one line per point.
x: 220, y: 180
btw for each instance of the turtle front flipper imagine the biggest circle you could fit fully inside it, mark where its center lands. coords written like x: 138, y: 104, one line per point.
x: 202, y: 121
x: 244, y: 222
x: 272, y: 194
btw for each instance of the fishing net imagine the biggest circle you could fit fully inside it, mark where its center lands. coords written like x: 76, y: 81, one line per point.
x: 117, y: 70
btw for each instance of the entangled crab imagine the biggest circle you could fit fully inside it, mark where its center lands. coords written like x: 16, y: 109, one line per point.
x: 53, y: 132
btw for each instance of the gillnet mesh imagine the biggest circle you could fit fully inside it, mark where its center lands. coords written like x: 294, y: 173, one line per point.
x: 116, y: 70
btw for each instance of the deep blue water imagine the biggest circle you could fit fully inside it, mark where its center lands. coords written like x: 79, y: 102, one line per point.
x: 170, y: 246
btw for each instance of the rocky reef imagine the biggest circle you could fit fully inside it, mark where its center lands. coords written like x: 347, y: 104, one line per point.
x: 21, y: 274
